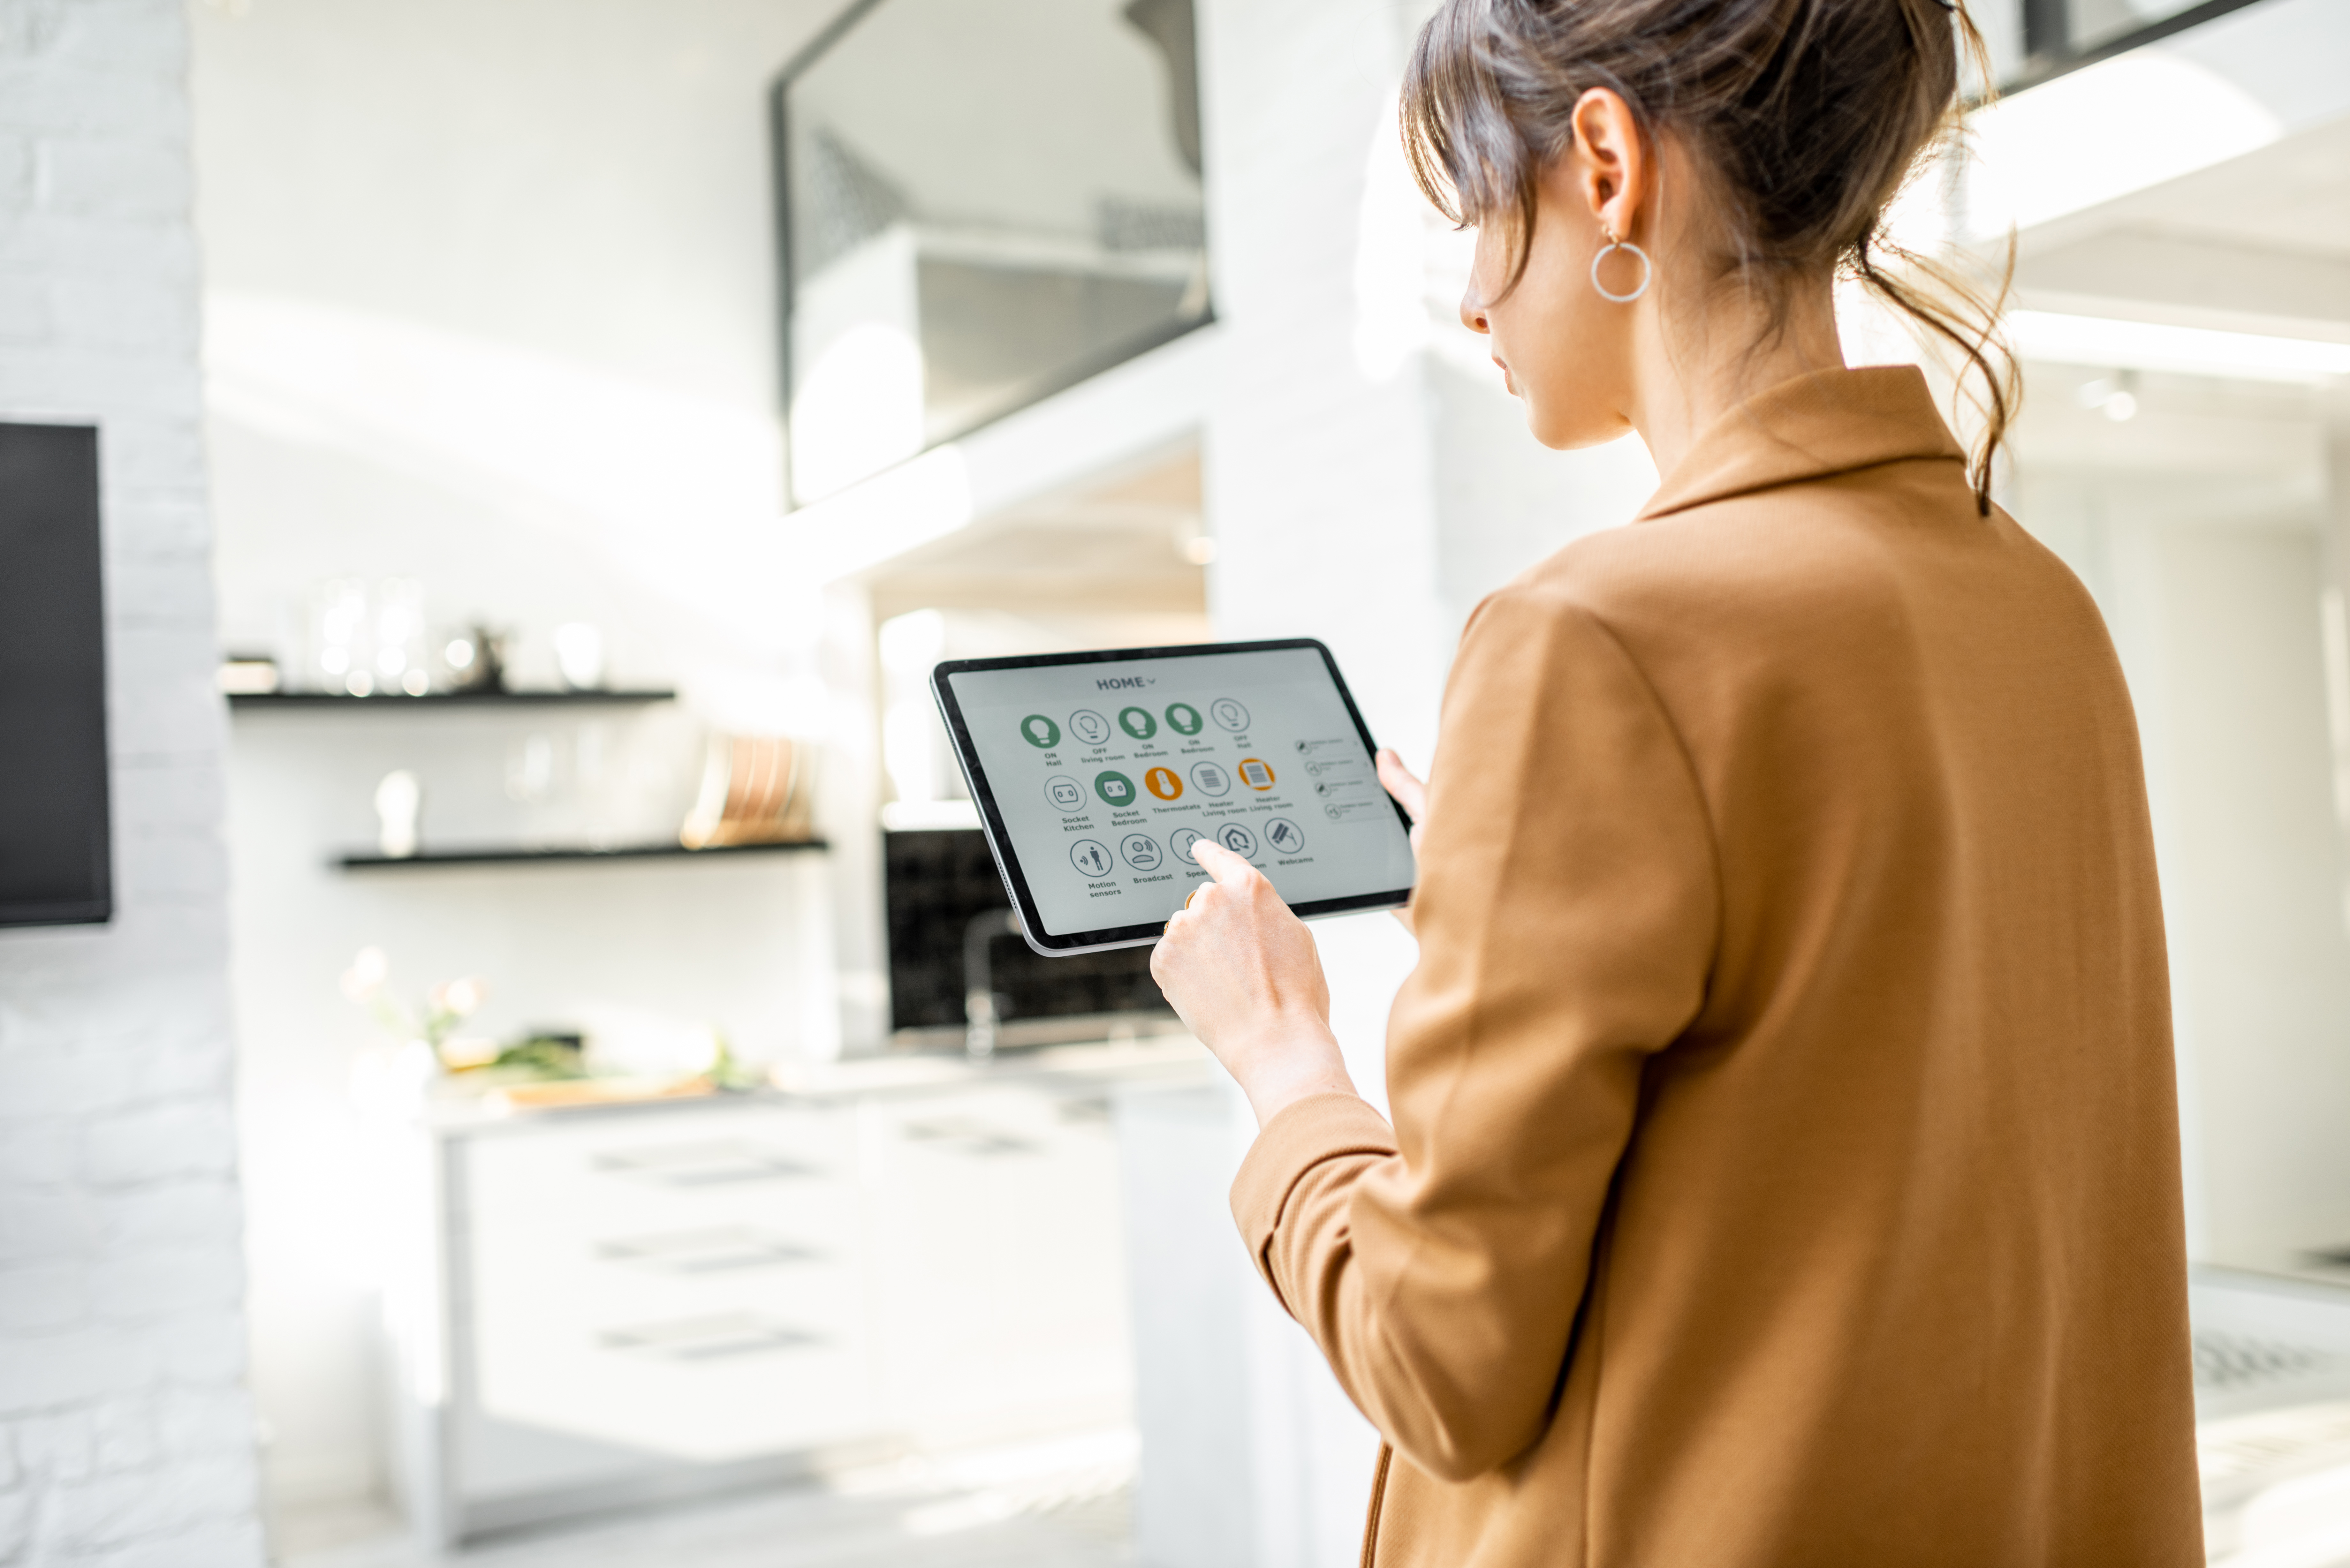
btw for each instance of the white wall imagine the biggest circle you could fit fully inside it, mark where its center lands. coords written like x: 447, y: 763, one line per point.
x: 125, y: 1432
x: 2200, y: 526
x: 490, y: 303
x: 2256, y: 926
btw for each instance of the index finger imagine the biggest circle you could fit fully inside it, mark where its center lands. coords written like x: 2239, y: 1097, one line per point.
x: 1408, y: 790
x: 1221, y: 863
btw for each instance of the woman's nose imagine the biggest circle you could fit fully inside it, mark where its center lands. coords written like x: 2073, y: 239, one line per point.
x: 1473, y: 311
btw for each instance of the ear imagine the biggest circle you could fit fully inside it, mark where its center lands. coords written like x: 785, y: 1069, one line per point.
x: 1610, y: 161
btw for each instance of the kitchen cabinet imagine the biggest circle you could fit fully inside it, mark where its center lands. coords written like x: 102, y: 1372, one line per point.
x: 607, y: 1308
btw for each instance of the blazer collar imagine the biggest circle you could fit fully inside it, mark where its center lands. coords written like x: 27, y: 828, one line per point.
x: 1830, y: 422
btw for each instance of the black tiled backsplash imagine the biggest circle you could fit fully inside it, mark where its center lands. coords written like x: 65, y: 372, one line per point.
x: 936, y: 881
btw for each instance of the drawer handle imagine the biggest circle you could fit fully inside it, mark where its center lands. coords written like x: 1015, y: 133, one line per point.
x: 968, y: 1135
x: 706, y: 1252
x: 703, y: 1163
x: 709, y: 1338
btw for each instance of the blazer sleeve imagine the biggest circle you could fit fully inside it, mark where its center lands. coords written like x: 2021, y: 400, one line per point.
x: 1567, y: 909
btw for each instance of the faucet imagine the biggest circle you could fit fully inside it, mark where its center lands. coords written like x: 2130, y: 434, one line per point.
x: 979, y: 1015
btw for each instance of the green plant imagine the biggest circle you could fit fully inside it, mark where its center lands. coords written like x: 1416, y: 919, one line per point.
x: 543, y: 1056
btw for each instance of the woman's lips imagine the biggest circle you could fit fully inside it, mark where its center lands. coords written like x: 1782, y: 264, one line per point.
x: 1509, y: 385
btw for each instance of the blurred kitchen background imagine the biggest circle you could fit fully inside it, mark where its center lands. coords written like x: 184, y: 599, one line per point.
x: 558, y: 1086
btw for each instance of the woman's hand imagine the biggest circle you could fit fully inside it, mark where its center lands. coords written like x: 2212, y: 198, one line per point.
x: 1413, y: 795
x: 1243, y: 975
x: 1409, y: 792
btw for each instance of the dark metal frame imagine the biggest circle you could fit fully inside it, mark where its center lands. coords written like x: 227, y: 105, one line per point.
x: 2049, y: 51
x: 780, y: 182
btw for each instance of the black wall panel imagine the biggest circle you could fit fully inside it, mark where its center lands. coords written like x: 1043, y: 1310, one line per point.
x: 937, y: 881
x: 55, y: 865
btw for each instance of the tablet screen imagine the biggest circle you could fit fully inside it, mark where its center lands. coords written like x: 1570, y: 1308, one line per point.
x: 1101, y: 770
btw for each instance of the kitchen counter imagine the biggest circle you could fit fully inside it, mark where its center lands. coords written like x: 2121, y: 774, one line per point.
x: 1174, y: 1060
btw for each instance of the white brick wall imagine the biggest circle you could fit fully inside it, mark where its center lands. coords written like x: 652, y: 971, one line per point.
x: 126, y: 1438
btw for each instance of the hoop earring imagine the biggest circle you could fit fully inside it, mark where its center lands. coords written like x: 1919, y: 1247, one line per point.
x: 1648, y: 270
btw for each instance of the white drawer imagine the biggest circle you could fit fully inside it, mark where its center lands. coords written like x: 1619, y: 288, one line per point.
x: 687, y: 1281
x: 608, y: 1178
x: 705, y: 1386
x: 588, y: 1292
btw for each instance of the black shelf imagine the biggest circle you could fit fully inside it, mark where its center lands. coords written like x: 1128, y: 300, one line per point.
x: 445, y: 699
x: 429, y: 857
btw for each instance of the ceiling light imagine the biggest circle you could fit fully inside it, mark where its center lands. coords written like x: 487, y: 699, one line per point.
x: 2061, y: 340
x: 2116, y: 399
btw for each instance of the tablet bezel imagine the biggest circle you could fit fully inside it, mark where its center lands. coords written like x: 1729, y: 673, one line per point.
x: 999, y: 839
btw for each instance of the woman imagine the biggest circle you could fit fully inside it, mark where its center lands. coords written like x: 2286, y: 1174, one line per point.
x: 1785, y: 1161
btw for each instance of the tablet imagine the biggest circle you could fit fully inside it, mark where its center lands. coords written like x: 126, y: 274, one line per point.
x: 1095, y: 774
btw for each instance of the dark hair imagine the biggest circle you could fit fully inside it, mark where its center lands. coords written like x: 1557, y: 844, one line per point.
x: 1805, y: 118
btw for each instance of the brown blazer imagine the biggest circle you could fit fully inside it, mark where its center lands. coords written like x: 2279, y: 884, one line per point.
x: 1785, y: 1159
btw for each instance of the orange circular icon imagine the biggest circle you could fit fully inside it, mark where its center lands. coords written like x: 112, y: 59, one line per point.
x: 1162, y: 783
x: 1254, y: 772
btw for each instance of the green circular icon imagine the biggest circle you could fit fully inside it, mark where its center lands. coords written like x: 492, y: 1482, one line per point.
x: 1184, y: 719
x: 1040, y: 731
x: 1115, y: 788
x: 1138, y: 723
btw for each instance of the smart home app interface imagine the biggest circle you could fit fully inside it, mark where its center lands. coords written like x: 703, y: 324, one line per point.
x: 1106, y: 775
